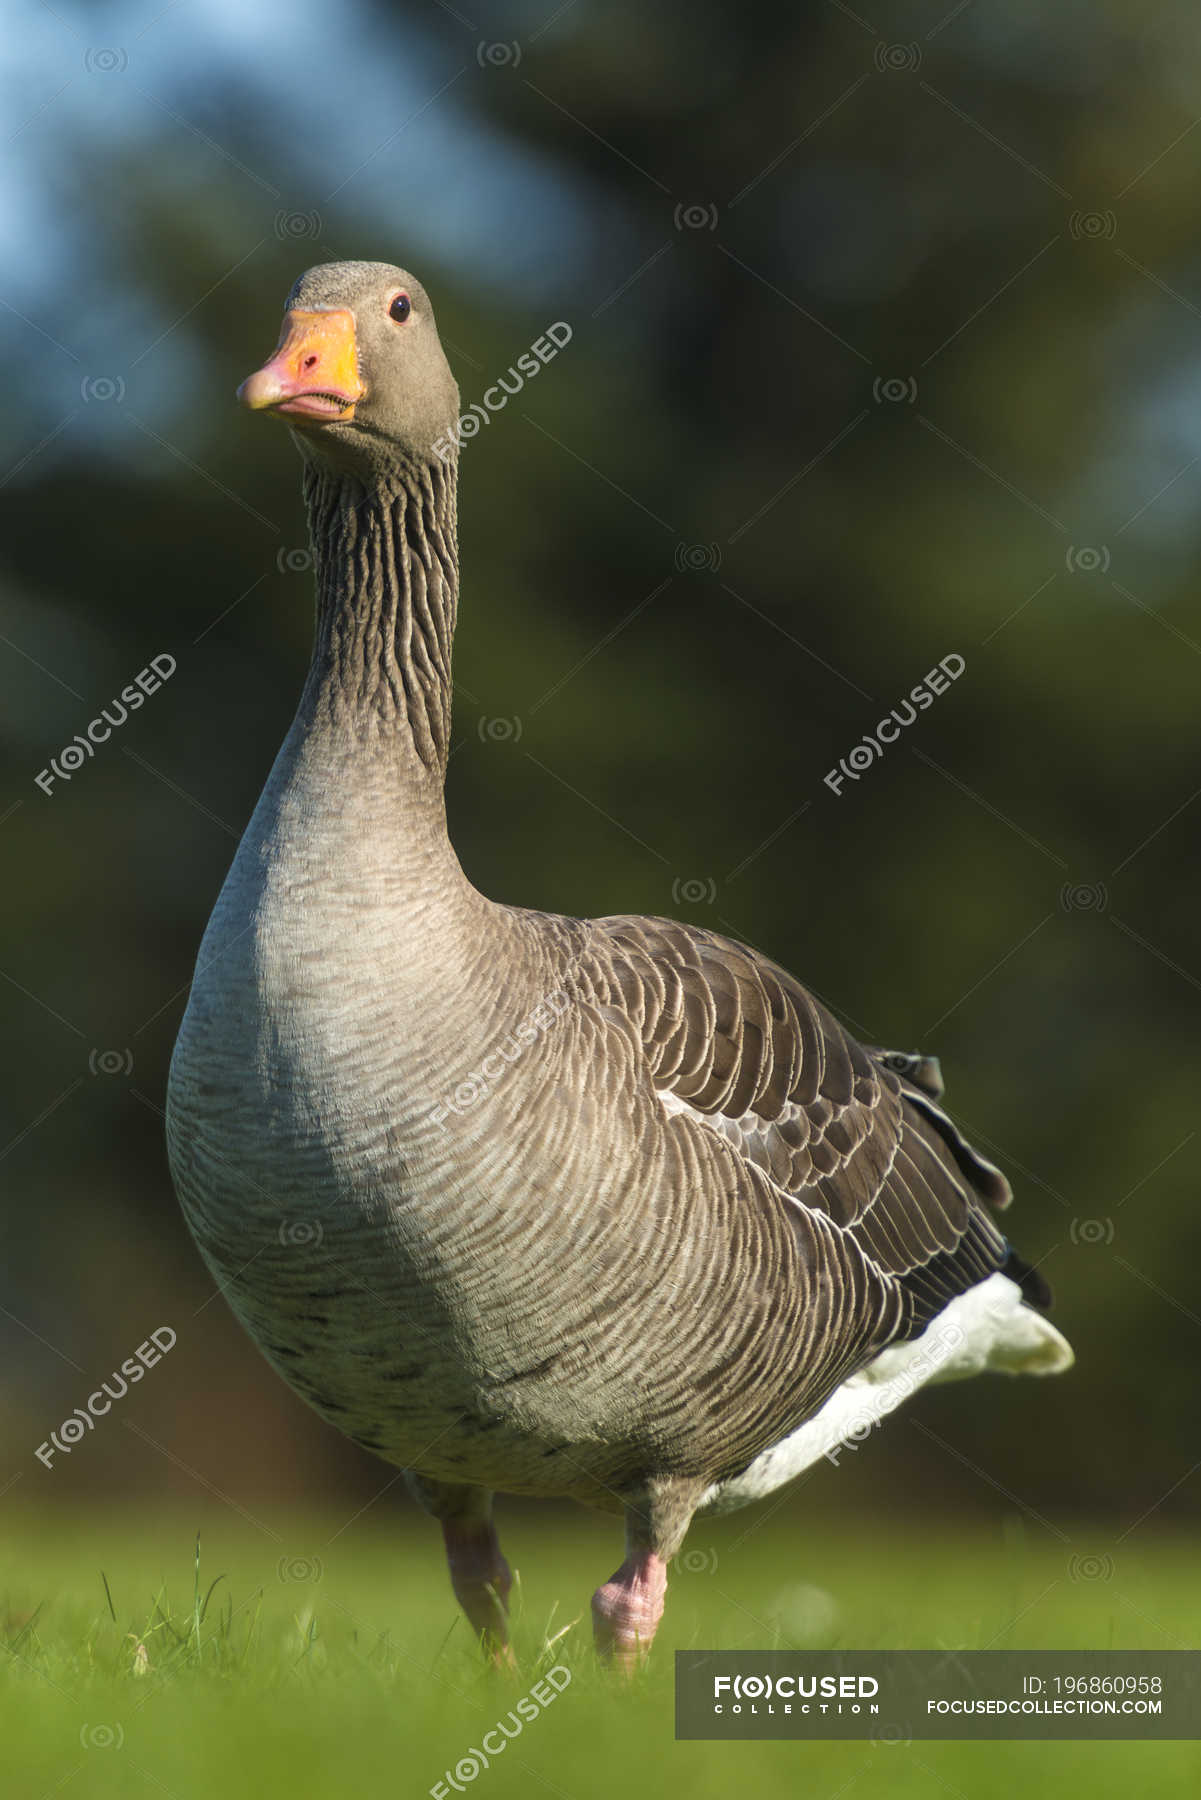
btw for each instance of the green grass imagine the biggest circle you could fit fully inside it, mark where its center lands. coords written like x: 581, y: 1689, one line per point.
x: 307, y: 1658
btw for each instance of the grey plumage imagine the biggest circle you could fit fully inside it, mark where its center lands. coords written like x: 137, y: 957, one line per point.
x: 605, y: 1208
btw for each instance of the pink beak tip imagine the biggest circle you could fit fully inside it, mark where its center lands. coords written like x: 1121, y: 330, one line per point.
x: 261, y: 389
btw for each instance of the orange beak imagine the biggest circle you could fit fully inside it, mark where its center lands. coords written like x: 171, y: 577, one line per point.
x: 314, y: 371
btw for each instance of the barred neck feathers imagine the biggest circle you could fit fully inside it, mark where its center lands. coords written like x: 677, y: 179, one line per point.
x: 386, y: 561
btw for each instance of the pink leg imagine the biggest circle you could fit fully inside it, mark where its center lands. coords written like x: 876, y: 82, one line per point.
x: 481, y: 1580
x: 627, y: 1609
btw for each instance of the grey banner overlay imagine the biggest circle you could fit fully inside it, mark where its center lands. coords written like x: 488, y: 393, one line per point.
x: 893, y: 1696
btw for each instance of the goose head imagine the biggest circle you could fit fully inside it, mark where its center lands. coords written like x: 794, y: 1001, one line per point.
x: 358, y: 373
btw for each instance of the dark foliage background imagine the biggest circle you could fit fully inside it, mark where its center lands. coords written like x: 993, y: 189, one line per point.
x: 886, y: 345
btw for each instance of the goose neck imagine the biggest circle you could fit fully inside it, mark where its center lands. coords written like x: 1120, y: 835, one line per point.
x: 386, y: 561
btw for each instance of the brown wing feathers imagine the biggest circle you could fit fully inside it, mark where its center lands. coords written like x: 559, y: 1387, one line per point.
x: 852, y: 1134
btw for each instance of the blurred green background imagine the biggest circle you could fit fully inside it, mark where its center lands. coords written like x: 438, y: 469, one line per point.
x: 886, y: 345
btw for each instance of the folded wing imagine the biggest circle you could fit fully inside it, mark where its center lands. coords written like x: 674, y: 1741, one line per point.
x: 846, y: 1136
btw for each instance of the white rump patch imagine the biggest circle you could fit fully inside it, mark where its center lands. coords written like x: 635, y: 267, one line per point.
x: 989, y: 1327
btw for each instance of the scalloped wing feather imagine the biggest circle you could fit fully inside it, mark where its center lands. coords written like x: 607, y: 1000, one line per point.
x: 842, y: 1133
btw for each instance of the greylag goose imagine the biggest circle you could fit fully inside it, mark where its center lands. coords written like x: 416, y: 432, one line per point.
x: 607, y: 1208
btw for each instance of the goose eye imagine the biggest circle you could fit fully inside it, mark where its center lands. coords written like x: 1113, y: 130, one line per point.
x: 400, y: 308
